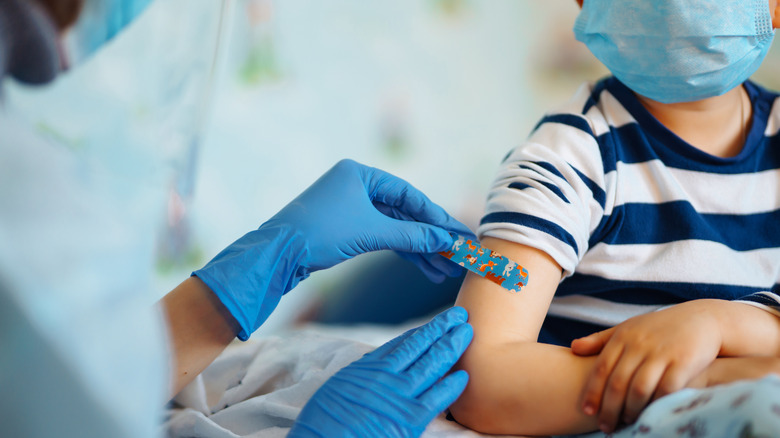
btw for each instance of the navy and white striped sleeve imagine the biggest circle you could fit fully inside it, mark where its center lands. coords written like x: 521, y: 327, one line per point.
x: 550, y: 192
x: 768, y: 301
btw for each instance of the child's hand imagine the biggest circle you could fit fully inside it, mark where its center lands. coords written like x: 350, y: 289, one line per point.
x: 646, y: 357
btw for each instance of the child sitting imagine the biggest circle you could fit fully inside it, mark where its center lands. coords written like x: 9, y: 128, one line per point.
x: 647, y: 213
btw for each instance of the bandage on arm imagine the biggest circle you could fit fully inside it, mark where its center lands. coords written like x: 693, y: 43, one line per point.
x: 516, y: 385
x: 487, y: 263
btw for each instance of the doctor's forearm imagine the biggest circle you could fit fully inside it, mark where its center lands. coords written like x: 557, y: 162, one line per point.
x: 199, y: 329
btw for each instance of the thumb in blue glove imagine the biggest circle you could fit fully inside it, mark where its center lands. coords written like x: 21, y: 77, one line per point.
x: 352, y: 209
x: 397, y: 389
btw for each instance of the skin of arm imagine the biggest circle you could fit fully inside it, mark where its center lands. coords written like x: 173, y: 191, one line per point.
x: 730, y: 369
x: 651, y: 355
x: 516, y: 385
x: 199, y: 329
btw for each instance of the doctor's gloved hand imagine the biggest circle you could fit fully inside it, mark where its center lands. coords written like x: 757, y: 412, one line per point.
x: 394, y: 391
x: 352, y: 209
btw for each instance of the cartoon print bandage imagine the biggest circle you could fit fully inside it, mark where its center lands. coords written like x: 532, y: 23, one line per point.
x: 487, y: 263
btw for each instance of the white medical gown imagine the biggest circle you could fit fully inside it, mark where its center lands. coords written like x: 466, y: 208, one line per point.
x: 82, y: 351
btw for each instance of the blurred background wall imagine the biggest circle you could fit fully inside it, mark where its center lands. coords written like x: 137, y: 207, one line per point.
x: 233, y: 107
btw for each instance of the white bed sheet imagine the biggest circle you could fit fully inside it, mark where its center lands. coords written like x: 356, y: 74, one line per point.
x: 256, y: 389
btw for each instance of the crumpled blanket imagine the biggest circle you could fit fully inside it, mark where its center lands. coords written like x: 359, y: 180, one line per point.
x: 256, y: 389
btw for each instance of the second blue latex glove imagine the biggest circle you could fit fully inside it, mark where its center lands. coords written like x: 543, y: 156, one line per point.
x: 352, y: 209
x: 394, y: 391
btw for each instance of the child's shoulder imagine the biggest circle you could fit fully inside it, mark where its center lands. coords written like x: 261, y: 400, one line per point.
x: 593, y: 107
x: 766, y: 107
x: 588, y: 95
x: 758, y: 91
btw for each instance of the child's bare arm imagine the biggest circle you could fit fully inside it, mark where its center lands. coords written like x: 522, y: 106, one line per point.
x: 658, y: 353
x: 517, y: 386
x: 725, y: 370
x: 520, y: 387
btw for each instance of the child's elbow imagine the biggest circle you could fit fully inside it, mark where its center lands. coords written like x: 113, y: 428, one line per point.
x: 474, y: 409
x: 485, y: 405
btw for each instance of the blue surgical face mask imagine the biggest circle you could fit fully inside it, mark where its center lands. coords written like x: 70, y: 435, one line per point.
x: 99, y: 22
x: 677, y: 50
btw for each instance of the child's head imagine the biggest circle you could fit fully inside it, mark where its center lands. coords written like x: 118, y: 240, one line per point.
x: 679, y: 50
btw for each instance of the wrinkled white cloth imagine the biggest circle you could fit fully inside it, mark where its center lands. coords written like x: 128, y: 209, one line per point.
x: 256, y: 389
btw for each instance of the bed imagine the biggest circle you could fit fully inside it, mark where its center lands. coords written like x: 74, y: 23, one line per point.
x: 257, y: 388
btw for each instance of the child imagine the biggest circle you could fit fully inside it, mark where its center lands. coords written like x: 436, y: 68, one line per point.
x: 650, y: 204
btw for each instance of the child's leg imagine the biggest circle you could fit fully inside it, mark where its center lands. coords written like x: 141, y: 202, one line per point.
x: 749, y: 408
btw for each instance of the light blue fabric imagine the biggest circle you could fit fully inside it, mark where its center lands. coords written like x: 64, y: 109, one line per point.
x: 352, y: 209
x: 677, y: 50
x: 82, y: 352
x: 395, y: 390
x: 747, y: 408
x: 99, y: 22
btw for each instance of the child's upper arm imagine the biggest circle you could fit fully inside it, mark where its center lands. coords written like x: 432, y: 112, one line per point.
x: 499, y: 315
x: 548, y: 198
x: 517, y: 386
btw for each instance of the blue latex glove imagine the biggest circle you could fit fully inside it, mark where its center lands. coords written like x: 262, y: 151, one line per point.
x: 394, y: 391
x: 350, y: 210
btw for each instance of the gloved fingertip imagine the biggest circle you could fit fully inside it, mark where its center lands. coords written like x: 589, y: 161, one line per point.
x: 462, y: 336
x: 467, y: 331
x: 444, y: 265
x: 456, y: 314
x: 455, y: 384
x: 460, y: 230
x: 461, y: 377
x: 464, y: 231
x: 440, y: 239
x: 446, y: 391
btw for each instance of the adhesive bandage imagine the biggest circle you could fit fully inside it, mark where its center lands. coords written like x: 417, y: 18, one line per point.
x: 487, y: 263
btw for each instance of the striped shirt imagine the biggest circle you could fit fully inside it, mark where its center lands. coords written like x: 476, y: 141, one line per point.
x: 637, y: 218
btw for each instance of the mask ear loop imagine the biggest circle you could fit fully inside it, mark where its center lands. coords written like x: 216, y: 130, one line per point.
x: 742, y: 97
